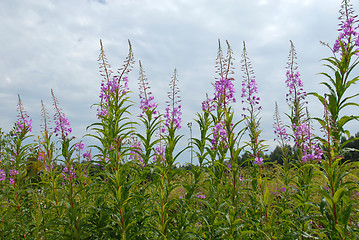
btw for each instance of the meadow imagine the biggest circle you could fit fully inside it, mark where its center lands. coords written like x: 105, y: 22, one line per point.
x: 127, y: 186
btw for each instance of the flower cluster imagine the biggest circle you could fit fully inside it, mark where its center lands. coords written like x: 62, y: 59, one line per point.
x: 12, y: 172
x: 279, y: 130
x: 87, y: 155
x: 295, y: 85
x: 249, y: 91
x: 147, y: 104
x: 79, y: 146
x: 66, y: 171
x: 23, y: 123
x: 312, y: 152
x: 134, y: 153
x: 281, y: 133
x: 146, y: 98
x: 303, y: 139
x: 258, y: 161
x: 347, y: 32
x: 62, y: 123
x: 200, y: 196
x: 219, y: 133
x: 109, y: 89
x: 2, y: 175
x: 224, y: 92
x: 159, y: 154
x: 62, y: 126
x: 249, y: 87
x: 173, y: 116
x: 208, y: 105
x: 173, y: 109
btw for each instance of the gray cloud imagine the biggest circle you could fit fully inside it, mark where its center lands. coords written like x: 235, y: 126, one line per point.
x: 55, y: 44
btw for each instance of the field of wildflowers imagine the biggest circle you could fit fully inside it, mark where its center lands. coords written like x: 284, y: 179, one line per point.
x: 128, y: 187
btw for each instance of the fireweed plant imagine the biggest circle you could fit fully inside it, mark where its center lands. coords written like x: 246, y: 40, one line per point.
x: 258, y: 195
x: 13, y: 180
x: 72, y: 205
x: 126, y: 185
x: 336, y: 209
x: 219, y: 150
x: 306, y: 152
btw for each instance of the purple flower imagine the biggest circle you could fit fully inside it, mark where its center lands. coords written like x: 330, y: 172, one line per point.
x: 200, y: 196
x: 23, y: 123
x: 11, y: 181
x: 295, y: 85
x: 281, y: 132
x: 110, y: 90
x: 219, y: 133
x: 134, y: 153
x: 159, y: 154
x: 146, y: 98
x: 62, y: 123
x: 173, y: 117
x: 62, y: 126
x: 304, y: 140
x: 348, y: 28
x: 147, y: 104
x: 125, y: 87
x: 79, y: 146
x: 224, y: 92
x: 87, y: 155
x: 258, y: 161
x: 41, y: 156
x: 2, y: 175
x: 173, y: 109
x: 13, y: 172
x: 336, y: 46
x: 208, y: 105
x: 312, y: 152
x: 66, y: 171
x: 249, y: 92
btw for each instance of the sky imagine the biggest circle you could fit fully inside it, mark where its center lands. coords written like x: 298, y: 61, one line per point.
x: 49, y: 44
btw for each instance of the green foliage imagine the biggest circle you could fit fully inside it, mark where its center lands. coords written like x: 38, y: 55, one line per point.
x: 133, y: 189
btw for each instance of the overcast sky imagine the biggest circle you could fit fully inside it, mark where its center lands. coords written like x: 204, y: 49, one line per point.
x: 48, y: 44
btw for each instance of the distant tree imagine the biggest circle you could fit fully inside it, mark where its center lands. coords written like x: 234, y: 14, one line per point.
x: 277, y: 154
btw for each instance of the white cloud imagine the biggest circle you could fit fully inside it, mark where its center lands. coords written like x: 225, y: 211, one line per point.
x: 54, y: 44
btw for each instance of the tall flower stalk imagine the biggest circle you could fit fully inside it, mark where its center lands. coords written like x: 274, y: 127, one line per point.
x: 306, y: 146
x: 62, y: 129
x: 114, y: 131
x: 165, y: 162
x: 336, y: 206
x: 340, y: 78
x: 149, y: 117
x: 18, y: 153
x: 220, y: 148
x: 251, y: 111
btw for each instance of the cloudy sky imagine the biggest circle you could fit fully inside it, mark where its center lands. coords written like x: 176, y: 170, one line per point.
x: 50, y: 44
